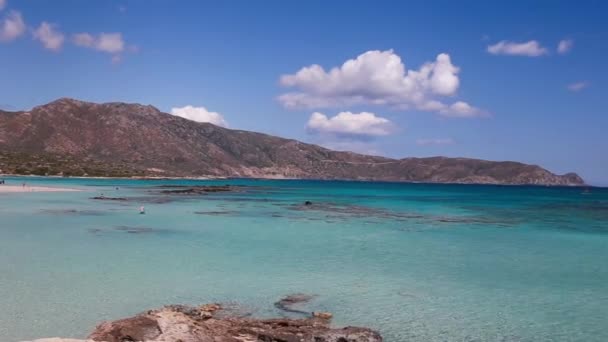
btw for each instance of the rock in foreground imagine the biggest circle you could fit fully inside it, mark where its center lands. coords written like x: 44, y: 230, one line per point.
x: 57, y: 339
x: 209, y: 323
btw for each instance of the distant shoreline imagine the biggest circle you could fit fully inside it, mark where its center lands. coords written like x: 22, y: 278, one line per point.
x: 108, y: 177
x: 217, y: 178
x: 24, y: 189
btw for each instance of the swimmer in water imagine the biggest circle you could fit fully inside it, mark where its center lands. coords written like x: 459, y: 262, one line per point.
x: 142, y: 210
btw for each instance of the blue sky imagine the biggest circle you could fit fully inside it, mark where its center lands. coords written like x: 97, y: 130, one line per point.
x: 525, y: 100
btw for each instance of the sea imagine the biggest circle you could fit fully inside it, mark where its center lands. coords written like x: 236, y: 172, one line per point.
x: 417, y: 262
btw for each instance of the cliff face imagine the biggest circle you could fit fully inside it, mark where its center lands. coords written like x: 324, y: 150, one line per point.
x: 144, y: 140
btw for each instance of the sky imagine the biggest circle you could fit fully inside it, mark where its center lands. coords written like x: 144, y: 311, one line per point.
x: 516, y: 80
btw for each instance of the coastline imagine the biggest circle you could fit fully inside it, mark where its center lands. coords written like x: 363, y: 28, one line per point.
x: 24, y: 189
x: 274, y: 177
x: 108, y: 177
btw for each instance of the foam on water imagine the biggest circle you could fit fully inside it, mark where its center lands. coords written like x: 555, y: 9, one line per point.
x: 418, y: 262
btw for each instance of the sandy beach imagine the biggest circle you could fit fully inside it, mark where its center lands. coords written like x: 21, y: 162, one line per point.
x: 27, y: 188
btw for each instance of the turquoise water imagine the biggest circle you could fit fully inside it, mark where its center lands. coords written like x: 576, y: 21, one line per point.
x: 418, y: 262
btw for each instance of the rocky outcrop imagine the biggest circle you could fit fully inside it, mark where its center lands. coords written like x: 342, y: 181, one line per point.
x: 72, y: 137
x: 210, y: 323
x: 57, y: 339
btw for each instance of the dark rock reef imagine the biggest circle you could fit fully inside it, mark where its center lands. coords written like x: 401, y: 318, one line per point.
x: 199, y: 189
x: 71, y: 137
x: 106, y: 198
x: 287, y: 303
x: 208, y: 323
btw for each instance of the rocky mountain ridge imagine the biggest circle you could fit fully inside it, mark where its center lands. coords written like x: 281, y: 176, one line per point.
x: 140, y: 140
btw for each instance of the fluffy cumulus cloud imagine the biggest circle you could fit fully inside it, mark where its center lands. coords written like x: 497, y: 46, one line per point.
x: 374, y: 77
x: 11, y: 26
x: 349, y: 124
x: 49, y: 36
x: 200, y: 114
x: 83, y: 39
x: 578, y: 86
x: 112, y: 43
x: 460, y: 109
x: 435, y: 141
x: 531, y: 48
x: 564, y: 46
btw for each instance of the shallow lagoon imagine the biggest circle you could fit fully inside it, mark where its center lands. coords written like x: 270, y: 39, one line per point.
x: 418, y: 262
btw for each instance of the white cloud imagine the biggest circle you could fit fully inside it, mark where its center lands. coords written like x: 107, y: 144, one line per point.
x: 112, y: 43
x: 2, y: 4
x: 374, y: 77
x: 11, y: 26
x: 363, y: 124
x: 531, y: 48
x: 436, y: 141
x: 564, y: 46
x: 200, y: 114
x: 578, y: 86
x: 461, y: 109
x: 49, y: 37
x: 83, y: 39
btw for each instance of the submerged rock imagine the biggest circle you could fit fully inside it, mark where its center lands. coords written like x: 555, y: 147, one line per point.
x: 137, y: 230
x: 343, y: 211
x: 287, y: 303
x: 129, y: 230
x: 106, y: 198
x: 206, y: 324
x: 216, y: 212
x: 322, y: 315
x: 74, y: 212
x: 198, y: 190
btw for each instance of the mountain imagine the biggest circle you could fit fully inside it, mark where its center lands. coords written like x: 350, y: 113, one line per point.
x: 72, y: 137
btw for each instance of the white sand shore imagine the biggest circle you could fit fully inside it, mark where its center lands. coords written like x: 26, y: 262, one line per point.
x: 19, y: 188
